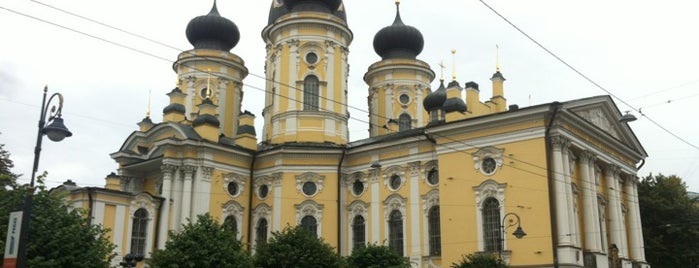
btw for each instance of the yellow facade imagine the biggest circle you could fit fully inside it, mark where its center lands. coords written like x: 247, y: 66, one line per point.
x: 443, y: 173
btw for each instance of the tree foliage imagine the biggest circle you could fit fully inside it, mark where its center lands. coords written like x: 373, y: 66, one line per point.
x: 205, y: 243
x: 60, y: 236
x: 480, y: 261
x: 670, y: 222
x: 295, y: 247
x: 6, y: 165
x: 376, y: 256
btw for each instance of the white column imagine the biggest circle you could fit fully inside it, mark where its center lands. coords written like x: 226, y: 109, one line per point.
x: 562, y: 224
x: 635, y: 229
x: 187, y: 194
x: 589, y: 194
x: 622, y: 218
x: 163, y: 225
x: 375, y: 206
x: 572, y: 218
x: 277, y: 203
x: 414, y: 201
x: 177, y: 200
x: 614, y: 211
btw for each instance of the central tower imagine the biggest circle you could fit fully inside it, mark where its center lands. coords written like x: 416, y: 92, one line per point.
x: 306, y: 71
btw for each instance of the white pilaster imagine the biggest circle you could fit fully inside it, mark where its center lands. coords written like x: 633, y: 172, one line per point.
x: 589, y: 194
x: 415, y: 247
x: 562, y: 224
x: 187, y: 194
x: 616, y: 227
x: 277, y: 203
x: 176, y: 222
x: 375, y: 220
x: 165, y: 215
x: 635, y: 229
x: 572, y: 218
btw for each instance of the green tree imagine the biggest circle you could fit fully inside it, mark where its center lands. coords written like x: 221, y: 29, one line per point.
x: 295, y: 247
x: 205, y: 243
x: 670, y: 222
x: 6, y: 164
x: 376, y: 256
x: 480, y: 261
x: 60, y: 236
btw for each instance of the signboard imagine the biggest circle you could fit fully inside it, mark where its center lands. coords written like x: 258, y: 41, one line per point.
x: 14, y: 228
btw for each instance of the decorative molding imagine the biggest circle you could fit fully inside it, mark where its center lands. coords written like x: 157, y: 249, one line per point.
x: 597, y: 117
x: 492, y: 152
x: 394, y: 202
x: 206, y: 173
x: 394, y: 170
x: 309, y: 177
x: 430, y: 199
x: 490, y: 188
x: 188, y: 171
x: 231, y: 177
x: 309, y: 208
x: 414, y: 168
x: 144, y: 201
x: 559, y: 142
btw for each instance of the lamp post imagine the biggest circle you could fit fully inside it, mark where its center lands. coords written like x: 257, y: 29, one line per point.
x: 131, y: 260
x: 56, y: 131
x: 518, y: 233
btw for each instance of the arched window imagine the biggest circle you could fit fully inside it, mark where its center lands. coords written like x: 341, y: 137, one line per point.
x: 261, y: 231
x: 405, y: 122
x: 395, y: 232
x: 139, y: 231
x: 310, y: 224
x: 230, y: 223
x: 491, y: 225
x: 434, y: 231
x: 310, y: 93
x: 358, y: 231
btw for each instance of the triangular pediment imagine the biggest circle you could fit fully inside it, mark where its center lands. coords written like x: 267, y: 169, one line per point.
x: 602, y: 114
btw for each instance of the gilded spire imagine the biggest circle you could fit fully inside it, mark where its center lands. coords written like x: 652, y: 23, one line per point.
x: 442, y: 67
x: 208, y: 85
x: 453, y: 60
x: 497, y: 58
x: 148, y: 107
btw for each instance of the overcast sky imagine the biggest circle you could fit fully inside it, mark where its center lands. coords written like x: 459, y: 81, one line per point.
x: 644, y: 52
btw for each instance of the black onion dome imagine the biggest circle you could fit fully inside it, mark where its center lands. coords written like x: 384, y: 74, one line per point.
x: 174, y: 108
x: 398, y: 40
x: 435, y: 100
x: 454, y: 104
x: 498, y: 75
x: 211, y: 31
x: 282, y: 7
x: 206, y: 119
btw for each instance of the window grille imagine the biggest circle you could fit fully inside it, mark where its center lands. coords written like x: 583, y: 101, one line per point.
x: 358, y: 231
x: 492, y: 234
x: 310, y: 93
x: 435, y: 233
x: 395, y: 232
x: 139, y: 231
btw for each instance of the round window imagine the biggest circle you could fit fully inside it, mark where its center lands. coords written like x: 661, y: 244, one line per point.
x: 395, y: 182
x: 309, y: 188
x: 233, y: 188
x: 404, y: 98
x: 488, y: 165
x: 358, y: 187
x: 433, y: 177
x: 263, y: 191
x: 311, y: 58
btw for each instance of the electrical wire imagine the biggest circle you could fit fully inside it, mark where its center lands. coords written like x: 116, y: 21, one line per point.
x: 471, y: 146
x: 586, y: 77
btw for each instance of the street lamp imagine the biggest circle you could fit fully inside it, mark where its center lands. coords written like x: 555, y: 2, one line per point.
x: 131, y: 260
x: 518, y: 233
x: 56, y: 131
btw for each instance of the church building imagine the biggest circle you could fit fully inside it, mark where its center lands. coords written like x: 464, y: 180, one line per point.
x: 443, y: 173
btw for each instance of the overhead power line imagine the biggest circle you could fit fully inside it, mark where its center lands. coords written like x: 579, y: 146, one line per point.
x: 586, y: 77
x: 470, y: 146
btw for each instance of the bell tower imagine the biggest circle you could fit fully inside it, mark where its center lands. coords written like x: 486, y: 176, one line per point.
x: 306, y: 70
x: 399, y: 83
